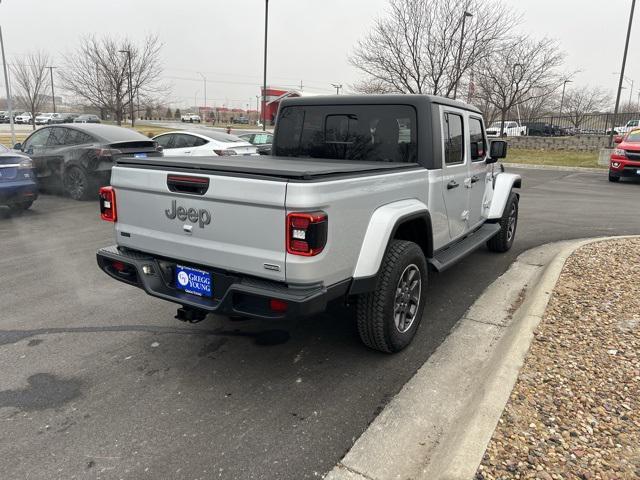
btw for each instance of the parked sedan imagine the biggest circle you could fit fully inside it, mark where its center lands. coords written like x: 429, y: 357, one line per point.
x: 261, y: 140
x: 86, y: 119
x: 203, y: 143
x: 18, y: 186
x: 77, y: 159
x: 64, y: 118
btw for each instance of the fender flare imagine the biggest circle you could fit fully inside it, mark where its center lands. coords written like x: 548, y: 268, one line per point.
x: 382, y: 226
x: 503, y: 184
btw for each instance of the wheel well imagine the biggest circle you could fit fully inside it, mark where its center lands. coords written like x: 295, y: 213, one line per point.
x: 416, y: 229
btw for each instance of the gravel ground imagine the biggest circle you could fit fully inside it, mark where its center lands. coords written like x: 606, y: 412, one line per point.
x: 574, y: 412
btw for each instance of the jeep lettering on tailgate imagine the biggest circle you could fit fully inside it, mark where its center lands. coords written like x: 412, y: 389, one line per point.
x: 200, y: 216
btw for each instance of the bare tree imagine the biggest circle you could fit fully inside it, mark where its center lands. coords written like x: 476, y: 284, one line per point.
x: 519, y: 72
x: 540, y: 104
x: 31, y: 80
x: 415, y: 47
x: 98, y: 73
x: 581, y: 101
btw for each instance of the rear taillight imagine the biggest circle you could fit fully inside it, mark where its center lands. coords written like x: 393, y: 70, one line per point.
x: 306, y: 233
x: 107, y: 152
x: 108, y: 204
x: 225, y: 153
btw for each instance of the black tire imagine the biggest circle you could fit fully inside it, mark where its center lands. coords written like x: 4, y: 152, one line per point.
x: 503, y: 240
x: 613, y: 178
x: 378, y: 326
x: 77, y: 184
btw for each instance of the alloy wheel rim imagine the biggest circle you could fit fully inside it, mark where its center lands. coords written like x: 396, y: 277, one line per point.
x: 75, y: 183
x: 407, y: 298
x: 511, y: 226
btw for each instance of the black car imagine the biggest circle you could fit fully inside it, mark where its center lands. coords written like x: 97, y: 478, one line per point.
x: 77, y: 159
x: 261, y: 140
x: 65, y: 118
x: 540, y: 129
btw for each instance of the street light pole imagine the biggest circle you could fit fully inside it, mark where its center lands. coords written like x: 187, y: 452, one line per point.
x: 455, y: 85
x: 624, y: 63
x: 564, y: 84
x: 204, y: 81
x: 337, y: 86
x: 264, y: 76
x: 53, y: 93
x: 128, y: 52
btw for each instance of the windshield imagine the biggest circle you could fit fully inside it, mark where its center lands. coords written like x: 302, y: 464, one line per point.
x: 351, y: 132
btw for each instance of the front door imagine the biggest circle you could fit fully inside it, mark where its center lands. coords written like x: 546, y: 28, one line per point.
x: 36, y: 147
x: 455, y: 174
x: 478, y: 177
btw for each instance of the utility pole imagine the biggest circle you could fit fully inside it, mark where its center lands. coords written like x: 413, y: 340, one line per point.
x: 455, y: 86
x: 128, y: 52
x: 264, y: 76
x: 337, y: 86
x: 624, y: 63
x: 8, y: 91
x: 53, y: 93
x: 204, y: 80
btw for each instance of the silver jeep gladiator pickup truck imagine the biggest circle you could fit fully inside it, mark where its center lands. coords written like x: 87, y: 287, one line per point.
x: 362, y: 198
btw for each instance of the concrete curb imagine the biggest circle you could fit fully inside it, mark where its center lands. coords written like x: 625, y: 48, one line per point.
x: 555, y: 167
x: 440, y: 423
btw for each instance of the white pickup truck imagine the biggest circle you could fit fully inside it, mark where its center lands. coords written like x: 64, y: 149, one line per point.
x: 363, y: 199
x: 190, y: 118
x: 511, y: 129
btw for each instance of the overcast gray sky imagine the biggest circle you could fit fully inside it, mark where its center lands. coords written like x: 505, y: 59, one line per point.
x: 309, y: 40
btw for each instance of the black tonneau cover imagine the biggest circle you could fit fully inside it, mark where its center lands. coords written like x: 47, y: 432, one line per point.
x: 295, y: 168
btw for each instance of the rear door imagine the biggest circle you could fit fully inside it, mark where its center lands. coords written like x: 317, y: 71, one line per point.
x: 455, y: 171
x: 181, y: 144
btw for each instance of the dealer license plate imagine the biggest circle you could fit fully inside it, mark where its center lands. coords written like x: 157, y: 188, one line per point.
x: 193, y: 281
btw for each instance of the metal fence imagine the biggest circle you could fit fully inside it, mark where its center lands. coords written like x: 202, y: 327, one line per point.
x: 591, y: 124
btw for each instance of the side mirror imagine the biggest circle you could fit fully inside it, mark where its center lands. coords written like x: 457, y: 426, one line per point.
x: 617, y: 139
x: 17, y: 146
x: 497, y: 150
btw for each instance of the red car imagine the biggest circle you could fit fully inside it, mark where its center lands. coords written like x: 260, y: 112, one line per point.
x: 625, y: 159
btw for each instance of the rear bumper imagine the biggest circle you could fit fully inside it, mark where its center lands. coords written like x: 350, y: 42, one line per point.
x: 233, y: 294
x: 16, y: 192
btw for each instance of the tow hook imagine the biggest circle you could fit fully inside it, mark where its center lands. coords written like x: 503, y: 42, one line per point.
x: 191, y: 315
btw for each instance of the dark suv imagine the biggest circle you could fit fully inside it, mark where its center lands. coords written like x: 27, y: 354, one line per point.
x: 77, y: 158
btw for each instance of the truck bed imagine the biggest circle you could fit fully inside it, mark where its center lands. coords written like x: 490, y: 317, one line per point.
x: 286, y: 168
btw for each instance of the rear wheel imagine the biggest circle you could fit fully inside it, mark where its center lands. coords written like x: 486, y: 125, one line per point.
x: 389, y: 316
x: 503, y: 240
x: 77, y: 184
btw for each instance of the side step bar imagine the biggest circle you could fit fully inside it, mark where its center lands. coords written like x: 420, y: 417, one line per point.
x: 445, y: 258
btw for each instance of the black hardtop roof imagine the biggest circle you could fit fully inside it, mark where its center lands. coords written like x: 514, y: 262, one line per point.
x: 386, y: 99
x: 108, y: 133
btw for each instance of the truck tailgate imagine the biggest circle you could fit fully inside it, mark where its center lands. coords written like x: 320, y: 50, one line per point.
x: 238, y: 224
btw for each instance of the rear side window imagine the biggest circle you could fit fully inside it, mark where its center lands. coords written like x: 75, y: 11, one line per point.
x: 385, y: 133
x: 453, y: 139
x: 57, y: 137
x: 76, y: 137
x: 478, y: 143
x: 164, y: 140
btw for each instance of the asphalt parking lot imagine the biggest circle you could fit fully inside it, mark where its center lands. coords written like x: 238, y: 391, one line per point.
x: 100, y: 381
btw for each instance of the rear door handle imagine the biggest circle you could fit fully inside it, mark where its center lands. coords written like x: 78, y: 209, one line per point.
x: 452, y: 184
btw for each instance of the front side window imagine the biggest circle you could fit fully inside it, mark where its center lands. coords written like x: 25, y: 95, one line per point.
x: 37, y: 141
x: 384, y: 133
x: 478, y: 142
x: 453, y: 139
